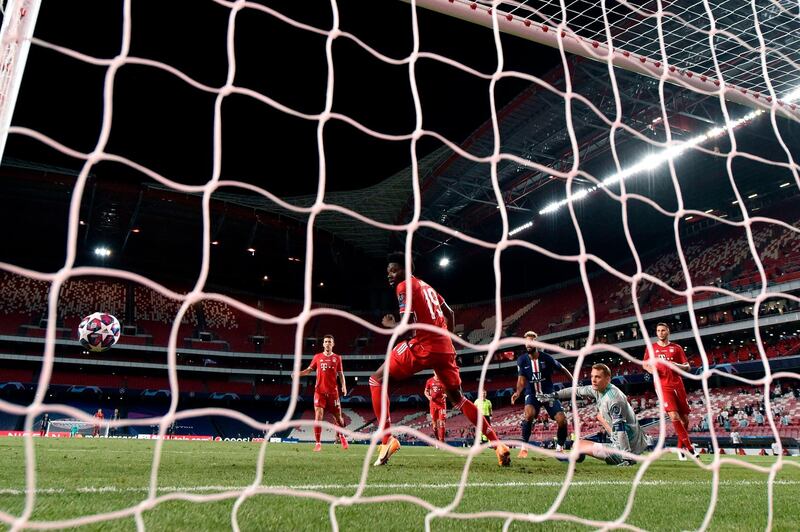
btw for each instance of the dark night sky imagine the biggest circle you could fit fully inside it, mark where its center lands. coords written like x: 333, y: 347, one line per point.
x: 165, y: 124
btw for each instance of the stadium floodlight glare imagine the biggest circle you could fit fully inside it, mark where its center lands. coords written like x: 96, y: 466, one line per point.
x: 784, y: 185
x: 520, y: 228
x: 792, y: 96
x: 576, y: 196
x: 653, y: 161
x: 751, y: 196
x: 444, y: 262
x: 102, y: 251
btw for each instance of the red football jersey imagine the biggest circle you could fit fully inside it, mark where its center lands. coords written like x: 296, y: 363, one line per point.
x: 328, y: 367
x: 435, y: 389
x: 426, y: 307
x: 673, y: 353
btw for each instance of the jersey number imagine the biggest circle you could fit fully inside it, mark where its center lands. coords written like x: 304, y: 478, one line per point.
x: 433, y: 303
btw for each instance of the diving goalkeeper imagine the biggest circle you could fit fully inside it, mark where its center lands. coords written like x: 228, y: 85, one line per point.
x: 615, y: 414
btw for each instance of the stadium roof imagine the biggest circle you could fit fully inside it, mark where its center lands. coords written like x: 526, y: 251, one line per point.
x: 279, y: 152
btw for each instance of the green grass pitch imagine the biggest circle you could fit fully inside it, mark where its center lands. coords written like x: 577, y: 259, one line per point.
x: 83, y: 477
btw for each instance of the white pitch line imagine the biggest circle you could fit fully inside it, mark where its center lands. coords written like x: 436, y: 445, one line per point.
x: 453, y: 485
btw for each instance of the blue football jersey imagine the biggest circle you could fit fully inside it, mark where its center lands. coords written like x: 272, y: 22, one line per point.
x: 538, y: 372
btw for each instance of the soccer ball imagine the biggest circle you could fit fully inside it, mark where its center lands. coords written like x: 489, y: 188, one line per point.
x: 99, y: 331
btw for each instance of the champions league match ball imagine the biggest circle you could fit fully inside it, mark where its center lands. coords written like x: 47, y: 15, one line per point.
x: 99, y: 331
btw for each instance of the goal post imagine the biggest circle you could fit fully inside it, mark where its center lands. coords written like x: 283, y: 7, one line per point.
x: 77, y: 427
x: 19, y: 21
x: 527, y: 22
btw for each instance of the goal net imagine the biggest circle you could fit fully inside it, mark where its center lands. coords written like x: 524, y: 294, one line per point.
x: 633, y: 91
x: 76, y: 427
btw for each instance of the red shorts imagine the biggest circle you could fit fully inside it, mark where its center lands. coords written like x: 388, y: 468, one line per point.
x: 328, y: 401
x: 674, y: 399
x: 409, y: 358
x: 438, y: 413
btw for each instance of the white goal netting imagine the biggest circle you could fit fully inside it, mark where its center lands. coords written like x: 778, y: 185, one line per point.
x: 77, y: 427
x: 733, y: 53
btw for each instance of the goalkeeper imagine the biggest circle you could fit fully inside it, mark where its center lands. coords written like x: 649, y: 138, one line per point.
x: 615, y: 414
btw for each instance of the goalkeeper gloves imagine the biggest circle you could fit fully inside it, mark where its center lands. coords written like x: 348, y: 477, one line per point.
x: 545, y: 397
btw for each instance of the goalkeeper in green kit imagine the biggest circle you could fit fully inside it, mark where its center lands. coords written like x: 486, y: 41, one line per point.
x: 615, y: 414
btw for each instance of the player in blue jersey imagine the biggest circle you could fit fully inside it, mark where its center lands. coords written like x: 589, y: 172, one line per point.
x: 535, y: 376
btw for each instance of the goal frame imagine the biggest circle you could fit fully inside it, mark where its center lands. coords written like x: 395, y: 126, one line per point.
x: 573, y: 43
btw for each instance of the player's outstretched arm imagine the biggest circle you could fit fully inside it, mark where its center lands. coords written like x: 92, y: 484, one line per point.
x: 389, y: 321
x: 306, y: 371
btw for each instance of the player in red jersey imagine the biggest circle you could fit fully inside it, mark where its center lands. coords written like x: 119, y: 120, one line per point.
x: 425, y: 350
x: 326, y: 395
x: 98, y: 416
x: 434, y: 391
x: 671, y: 391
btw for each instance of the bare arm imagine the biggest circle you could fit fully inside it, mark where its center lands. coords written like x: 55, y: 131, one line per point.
x: 683, y: 367
x: 306, y: 371
x: 449, y: 315
x: 647, y: 363
x: 520, y: 386
x: 563, y: 367
x: 344, y: 384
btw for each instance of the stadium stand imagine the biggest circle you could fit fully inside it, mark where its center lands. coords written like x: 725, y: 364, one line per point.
x: 213, y: 325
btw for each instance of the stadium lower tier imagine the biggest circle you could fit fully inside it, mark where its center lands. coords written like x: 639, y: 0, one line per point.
x: 733, y: 409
